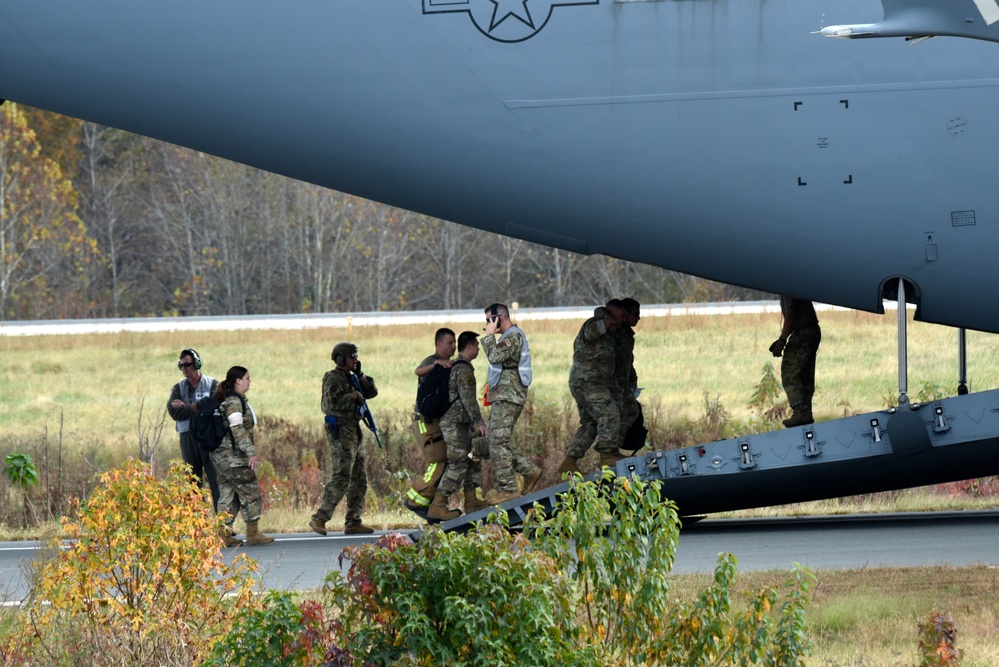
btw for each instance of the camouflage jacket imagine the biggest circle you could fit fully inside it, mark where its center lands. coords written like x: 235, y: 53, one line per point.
x: 506, y: 354
x: 339, y: 398
x: 593, y: 353
x: 625, y: 377
x: 465, y: 409
x: 241, y: 442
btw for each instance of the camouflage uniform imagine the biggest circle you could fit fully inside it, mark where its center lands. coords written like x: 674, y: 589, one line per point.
x: 457, y: 424
x: 430, y: 441
x: 349, y: 477
x: 508, y: 396
x: 592, y: 384
x: 625, y: 377
x: 238, y: 485
x: 797, y: 366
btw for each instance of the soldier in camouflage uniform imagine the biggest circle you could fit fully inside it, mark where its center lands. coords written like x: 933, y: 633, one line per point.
x: 462, y: 420
x: 799, y: 344
x: 345, y: 389
x: 235, y: 461
x: 626, y: 378
x: 429, y: 438
x: 592, y: 384
x: 510, y: 375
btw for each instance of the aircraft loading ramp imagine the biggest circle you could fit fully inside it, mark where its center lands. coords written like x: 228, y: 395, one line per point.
x: 942, y: 441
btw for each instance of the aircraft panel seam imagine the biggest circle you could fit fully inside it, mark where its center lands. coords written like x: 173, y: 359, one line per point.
x: 748, y: 94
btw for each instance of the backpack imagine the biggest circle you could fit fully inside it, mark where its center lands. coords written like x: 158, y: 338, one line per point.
x: 433, y: 396
x: 637, y: 433
x: 208, y: 426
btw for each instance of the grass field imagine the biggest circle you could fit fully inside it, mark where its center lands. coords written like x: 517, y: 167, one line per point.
x: 97, y: 383
x: 92, y: 386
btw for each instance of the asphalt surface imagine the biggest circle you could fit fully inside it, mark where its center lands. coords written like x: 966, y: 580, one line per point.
x: 302, y: 561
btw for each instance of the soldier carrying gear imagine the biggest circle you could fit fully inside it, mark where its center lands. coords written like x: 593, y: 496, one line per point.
x: 345, y: 389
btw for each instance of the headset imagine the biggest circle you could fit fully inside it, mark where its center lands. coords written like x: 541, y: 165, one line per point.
x: 190, y: 353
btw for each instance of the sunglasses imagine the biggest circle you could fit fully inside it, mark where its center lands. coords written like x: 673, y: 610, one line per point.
x: 353, y: 356
x: 184, y: 364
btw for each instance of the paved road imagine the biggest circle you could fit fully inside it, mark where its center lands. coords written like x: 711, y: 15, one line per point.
x: 300, y: 561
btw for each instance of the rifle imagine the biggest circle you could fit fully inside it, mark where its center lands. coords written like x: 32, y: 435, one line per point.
x: 365, y: 411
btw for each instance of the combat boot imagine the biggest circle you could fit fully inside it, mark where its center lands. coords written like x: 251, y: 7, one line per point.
x: 439, y: 510
x: 609, y: 459
x: 317, y: 526
x: 531, y: 481
x: 800, y: 417
x: 472, y: 502
x: 225, y: 532
x: 254, y: 536
x: 504, y: 496
x: 569, y: 464
x: 357, y: 528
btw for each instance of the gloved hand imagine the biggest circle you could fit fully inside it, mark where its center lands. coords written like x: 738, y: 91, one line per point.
x: 777, y: 347
x: 357, y: 368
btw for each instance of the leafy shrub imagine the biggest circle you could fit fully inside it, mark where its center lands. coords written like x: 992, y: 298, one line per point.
x: 144, y: 582
x: 486, y: 598
x: 625, y: 538
x: 589, y: 586
x: 938, y: 642
x: 278, y: 633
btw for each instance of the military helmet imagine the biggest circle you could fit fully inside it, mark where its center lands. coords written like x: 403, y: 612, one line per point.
x: 342, y: 350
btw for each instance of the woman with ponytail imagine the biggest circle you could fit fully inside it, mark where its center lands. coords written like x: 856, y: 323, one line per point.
x: 236, y: 460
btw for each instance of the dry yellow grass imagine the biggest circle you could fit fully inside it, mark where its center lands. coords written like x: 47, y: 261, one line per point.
x: 870, y: 617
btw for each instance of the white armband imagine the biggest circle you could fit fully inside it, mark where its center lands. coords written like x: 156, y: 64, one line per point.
x: 236, y: 419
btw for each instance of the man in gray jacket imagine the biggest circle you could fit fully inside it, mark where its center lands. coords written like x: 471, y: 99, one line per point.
x: 183, y: 401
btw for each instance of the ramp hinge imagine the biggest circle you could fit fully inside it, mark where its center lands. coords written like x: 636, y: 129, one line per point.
x: 746, y: 456
x: 876, y: 430
x: 811, y: 444
x: 940, y: 421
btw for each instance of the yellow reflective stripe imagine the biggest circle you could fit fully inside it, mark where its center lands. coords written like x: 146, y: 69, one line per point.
x: 417, y: 498
x: 423, y: 428
x: 429, y: 474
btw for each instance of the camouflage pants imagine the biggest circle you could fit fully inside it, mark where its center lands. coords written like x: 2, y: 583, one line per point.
x: 238, y: 486
x: 797, y: 367
x: 506, y: 459
x: 629, y: 413
x: 461, y: 471
x: 599, y: 418
x: 348, y: 478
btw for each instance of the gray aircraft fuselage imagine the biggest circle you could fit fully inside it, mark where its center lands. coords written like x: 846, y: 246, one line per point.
x: 718, y: 138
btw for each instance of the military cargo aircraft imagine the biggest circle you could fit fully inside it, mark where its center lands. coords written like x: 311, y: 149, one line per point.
x: 729, y: 139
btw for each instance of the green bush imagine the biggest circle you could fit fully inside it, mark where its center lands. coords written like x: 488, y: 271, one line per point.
x: 588, y: 586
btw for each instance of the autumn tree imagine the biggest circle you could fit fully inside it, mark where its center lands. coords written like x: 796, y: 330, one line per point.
x: 44, y: 246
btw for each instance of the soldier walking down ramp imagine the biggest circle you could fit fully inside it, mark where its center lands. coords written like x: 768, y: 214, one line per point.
x: 798, y: 344
x: 509, y: 377
x: 625, y: 376
x: 460, y: 423
x: 345, y: 389
x: 593, y: 385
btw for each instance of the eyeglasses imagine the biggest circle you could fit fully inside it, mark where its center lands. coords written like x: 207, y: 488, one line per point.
x: 184, y: 364
x: 353, y: 356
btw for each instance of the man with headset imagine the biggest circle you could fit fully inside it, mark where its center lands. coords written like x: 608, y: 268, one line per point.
x: 183, y: 402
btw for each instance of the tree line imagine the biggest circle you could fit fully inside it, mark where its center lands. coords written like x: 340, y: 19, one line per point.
x: 97, y: 222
